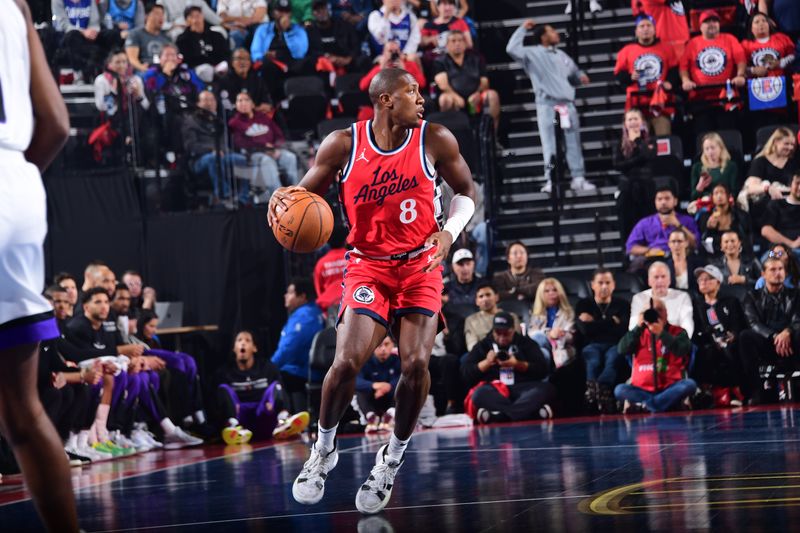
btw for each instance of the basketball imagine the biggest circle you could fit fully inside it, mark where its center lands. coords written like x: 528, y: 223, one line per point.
x: 306, y: 224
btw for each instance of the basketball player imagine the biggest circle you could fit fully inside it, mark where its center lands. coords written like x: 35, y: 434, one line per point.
x: 387, y: 170
x: 33, y: 127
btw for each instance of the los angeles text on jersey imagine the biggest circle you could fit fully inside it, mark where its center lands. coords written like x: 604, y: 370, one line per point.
x: 386, y: 183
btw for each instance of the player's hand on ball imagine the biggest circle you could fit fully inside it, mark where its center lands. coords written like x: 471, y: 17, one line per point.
x: 443, y: 241
x: 276, y: 201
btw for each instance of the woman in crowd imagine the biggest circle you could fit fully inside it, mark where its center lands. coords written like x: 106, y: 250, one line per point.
x: 736, y: 268
x: 681, y: 261
x: 520, y: 281
x: 723, y: 216
x: 715, y: 166
x: 770, y: 174
x: 553, y: 322
x: 632, y: 157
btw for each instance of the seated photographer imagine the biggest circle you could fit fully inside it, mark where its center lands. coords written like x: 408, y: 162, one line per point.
x: 504, y: 372
x: 658, y: 383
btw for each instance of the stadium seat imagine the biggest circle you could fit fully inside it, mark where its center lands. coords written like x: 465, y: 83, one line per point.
x: 575, y: 287
x: 669, y: 163
x: 348, y: 93
x: 320, y: 358
x: 627, y: 285
x: 307, y: 104
x: 459, y: 124
x: 325, y: 127
x: 762, y: 134
x: 520, y: 308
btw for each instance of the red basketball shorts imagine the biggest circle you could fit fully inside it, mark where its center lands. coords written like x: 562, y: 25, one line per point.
x: 386, y: 290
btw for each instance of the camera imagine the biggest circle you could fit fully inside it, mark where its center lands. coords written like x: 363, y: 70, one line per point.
x: 395, y: 56
x: 503, y: 356
x: 651, y: 316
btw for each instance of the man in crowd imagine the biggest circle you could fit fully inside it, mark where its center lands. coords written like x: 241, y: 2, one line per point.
x: 81, y: 49
x: 239, y: 16
x: 509, y: 368
x: 650, y: 235
x: 640, y: 67
x: 97, y: 274
x: 479, y: 324
x: 242, y: 77
x: 554, y: 76
x: 712, y: 58
x: 602, y: 320
x: 203, y: 49
x: 677, y: 302
x: 658, y: 382
x: 782, y: 219
x: 463, y: 285
x: 291, y: 355
x: 435, y: 33
x: 718, y: 322
x: 462, y: 80
x: 394, y: 22
x: 773, y: 334
x: 339, y: 40
x: 141, y: 297
x: 144, y: 44
x: 669, y: 17
x: 393, y: 58
x: 375, y: 386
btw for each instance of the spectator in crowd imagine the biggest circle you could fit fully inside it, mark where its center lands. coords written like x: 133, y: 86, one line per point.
x: 463, y: 287
x: 84, y: 44
x: 633, y: 156
x: 142, y: 297
x: 391, y: 57
x: 554, y: 76
x: 462, y: 80
x: 768, y: 52
x: 782, y: 219
x: 172, y: 81
x: 258, y: 136
x: 329, y: 272
x: 283, y: 48
x: 340, y: 42
x: 250, y: 396
x: 504, y: 372
x: 736, y: 268
x: 678, y: 303
x: 712, y: 59
x: 715, y: 166
x: 773, y: 334
x: 120, y: 312
x: 62, y: 308
x: 552, y: 324
x: 203, y: 49
x: 718, y: 321
x: 650, y: 235
x: 786, y: 13
x: 394, y: 22
x: 721, y: 216
x: 770, y: 174
x: 116, y: 88
x: 520, y: 281
x: 291, y: 355
x: 375, y: 386
x: 791, y: 268
x: 354, y: 12
x: 207, y: 150
x: 175, y: 11
x: 97, y: 274
x: 643, y: 65
x: 144, y: 44
x: 670, y: 21
x: 239, y: 17
x: 602, y: 320
x: 681, y: 261
x: 68, y: 282
x: 658, y: 382
x: 435, y: 33
x: 125, y: 15
x: 479, y: 324
x: 242, y: 78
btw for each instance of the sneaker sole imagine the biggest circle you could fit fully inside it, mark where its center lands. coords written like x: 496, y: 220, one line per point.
x: 299, y: 499
x: 298, y: 425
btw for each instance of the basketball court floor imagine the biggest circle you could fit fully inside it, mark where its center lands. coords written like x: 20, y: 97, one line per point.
x: 733, y: 470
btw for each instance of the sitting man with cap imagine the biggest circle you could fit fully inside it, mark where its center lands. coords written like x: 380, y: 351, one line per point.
x: 463, y: 284
x: 504, y: 372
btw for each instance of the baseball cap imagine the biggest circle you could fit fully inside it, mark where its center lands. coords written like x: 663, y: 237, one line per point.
x: 462, y: 254
x: 645, y: 16
x: 708, y: 14
x: 503, y: 320
x: 282, y: 5
x: 711, y: 270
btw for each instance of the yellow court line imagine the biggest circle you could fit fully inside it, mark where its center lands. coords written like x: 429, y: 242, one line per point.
x: 743, y: 488
x: 712, y: 503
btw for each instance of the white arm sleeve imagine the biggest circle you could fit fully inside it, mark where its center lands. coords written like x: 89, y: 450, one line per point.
x: 461, y: 210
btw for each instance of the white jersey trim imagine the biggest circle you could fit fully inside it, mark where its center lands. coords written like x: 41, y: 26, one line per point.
x: 350, y: 162
x: 427, y: 167
x: 377, y: 150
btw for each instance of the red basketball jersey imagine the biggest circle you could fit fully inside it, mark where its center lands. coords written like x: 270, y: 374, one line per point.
x: 391, y: 199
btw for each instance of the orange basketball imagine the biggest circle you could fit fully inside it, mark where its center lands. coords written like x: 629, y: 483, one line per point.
x: 306, y: 224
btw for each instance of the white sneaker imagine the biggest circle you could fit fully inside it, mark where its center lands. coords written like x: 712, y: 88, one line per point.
x: 121, y: 440
x: 594, y: 6
x: 180, y: 439
x: 147, y: 435
x: 545, y: 411
x: 548, y: 187
x: 580, y: 184
x: 568, y: 9
x: 374, y: 494
x: 140, y: 442
x: 309, y: 487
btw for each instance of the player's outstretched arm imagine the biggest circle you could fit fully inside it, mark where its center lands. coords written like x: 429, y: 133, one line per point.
x: 442, y: 146
x: 51, y: 127
x: 332, y: 156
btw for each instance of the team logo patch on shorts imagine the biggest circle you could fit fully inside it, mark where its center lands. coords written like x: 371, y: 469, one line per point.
x: 364, y: 295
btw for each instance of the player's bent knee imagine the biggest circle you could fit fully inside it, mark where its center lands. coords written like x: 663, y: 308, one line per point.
x: 414, y: 367
x: 344, y: 369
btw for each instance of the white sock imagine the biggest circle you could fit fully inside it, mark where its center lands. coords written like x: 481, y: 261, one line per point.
x: 100, y: 420
x: 92, y: 433
x: 72, y: 441
x: 168, y: 427
x: 232, y: 422
x: 187, y: 420
x: 200, y: 416
x: 325, y: 438
x: 396, y: 448
x: 83, y: 439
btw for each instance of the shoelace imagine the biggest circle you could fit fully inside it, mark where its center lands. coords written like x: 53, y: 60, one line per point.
x: 313, y: 467
x: 382, y: 477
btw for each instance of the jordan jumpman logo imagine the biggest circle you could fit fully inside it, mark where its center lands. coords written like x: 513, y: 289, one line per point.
x: 360, y: 157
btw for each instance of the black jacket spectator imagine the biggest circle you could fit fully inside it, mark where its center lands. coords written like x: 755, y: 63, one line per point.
x: 603, y: 329
x: 83, y: 342
x: 201, y: 131
x: 209, y: 47
x: 717, y: 329
x: 768, y: 314
x: 464, y: 79
x: 462, y: 293
x: 250, y: 384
